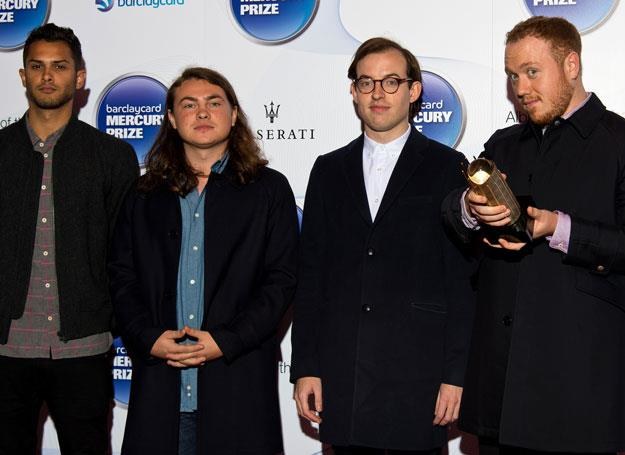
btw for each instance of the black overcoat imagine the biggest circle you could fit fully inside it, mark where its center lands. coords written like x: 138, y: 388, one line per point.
x: 383, y: 309
x: 547, y: 363
x: 250, y: 260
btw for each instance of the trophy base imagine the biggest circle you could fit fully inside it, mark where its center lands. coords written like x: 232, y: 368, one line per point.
x: 515, y: 233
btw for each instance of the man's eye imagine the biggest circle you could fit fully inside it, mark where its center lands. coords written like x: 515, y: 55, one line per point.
x: 513, y: 77
x: 215, y: 104
x: 532, y: 73
x: 188, y: 105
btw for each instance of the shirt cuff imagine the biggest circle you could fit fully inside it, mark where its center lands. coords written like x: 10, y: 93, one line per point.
x: 469, y: 221
x: 562, y: 234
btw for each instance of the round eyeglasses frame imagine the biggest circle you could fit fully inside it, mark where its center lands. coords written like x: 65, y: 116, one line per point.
x: 383, y: 83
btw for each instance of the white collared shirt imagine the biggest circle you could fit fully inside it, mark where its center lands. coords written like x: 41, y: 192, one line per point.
x: 378, y: 162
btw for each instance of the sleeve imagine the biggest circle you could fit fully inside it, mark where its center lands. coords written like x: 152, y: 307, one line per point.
x: 599, y: 246
x: 124, y: 172
x: 275, y: 291
x: 459, y: 268
x: 132, y: 315
x: 306, y: 318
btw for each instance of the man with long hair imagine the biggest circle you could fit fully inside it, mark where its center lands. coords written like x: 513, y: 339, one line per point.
x: 546, y: 371
x: 61, y: 184
x: 202, y: 269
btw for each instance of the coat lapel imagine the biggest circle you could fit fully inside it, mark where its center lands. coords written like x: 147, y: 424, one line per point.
x: 352, y: 166
x: 407, y: 163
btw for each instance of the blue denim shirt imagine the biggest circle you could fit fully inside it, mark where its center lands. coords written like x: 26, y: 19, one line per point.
x: 190, y: 295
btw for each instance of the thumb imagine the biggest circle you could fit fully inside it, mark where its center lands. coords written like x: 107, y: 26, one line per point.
x: 176, y: 333
x: 532, y: 211
x: 318, y: 401
x: 191, y: 331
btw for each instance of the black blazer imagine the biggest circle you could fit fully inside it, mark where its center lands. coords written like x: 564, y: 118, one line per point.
x: 383, y: 309
x: 547, y: 363
x: 250, y: 255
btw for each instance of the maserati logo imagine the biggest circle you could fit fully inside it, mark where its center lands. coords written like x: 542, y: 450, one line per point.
x: 270, y: 112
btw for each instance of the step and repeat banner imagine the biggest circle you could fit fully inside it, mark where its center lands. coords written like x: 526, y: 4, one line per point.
x: 287, y: 60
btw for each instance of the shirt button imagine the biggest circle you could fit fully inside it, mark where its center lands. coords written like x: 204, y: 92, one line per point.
x: 188, y: 394
x: 45, y: 155
x: 507, y: 320
x: 188, y: 387
x: 45, y: 253
x: 49, y: 318
x: 47, y: 285
x: 41, y: 144
x: 366, y: 308
x: 191, y: 316
x: 376, y: 200
x: 370, y: 252
x: 195, y: 248
x: 197, y: 215
x: 191, y: 282
x: 43, y: 187
x: 44, y: 220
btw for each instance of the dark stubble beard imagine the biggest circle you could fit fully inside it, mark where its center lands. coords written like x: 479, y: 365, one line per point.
x: 54, y: 101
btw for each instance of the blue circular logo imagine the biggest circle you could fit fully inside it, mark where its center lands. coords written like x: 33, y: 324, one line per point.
x: 122, y: 372
x: 586, y: 15
x: 104, y: 5
x: 273, y: 21
x: 442, y: 116
x: 132, y: 108
x: 18, y: 18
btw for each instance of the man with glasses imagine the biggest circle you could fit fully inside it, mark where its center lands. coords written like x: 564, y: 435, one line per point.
x: 384, y: 303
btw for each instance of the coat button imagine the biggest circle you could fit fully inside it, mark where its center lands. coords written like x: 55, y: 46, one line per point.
x: 366, y: 308
x: 507, y: 320
x: 600, y: 268
x: 370, y: 252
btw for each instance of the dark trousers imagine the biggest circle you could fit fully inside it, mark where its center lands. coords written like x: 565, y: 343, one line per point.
x: 78, y: 395
x: 490, y: 446
x: 351, y: 450
x: 187, y: 433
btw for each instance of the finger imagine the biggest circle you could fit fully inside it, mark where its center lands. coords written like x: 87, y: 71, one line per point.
x: 492, y: 245
x: 513, y: 246
x: 193, y: 361
x: 306, y: 411
x: 318, y: 400
x: 195, y: 333
x: 439, y: 410
x: 174, y: 334
x: 456, y: 412
x: 172, y: 363
x: 476, y: 198
x: 179, y: 357
x: 449, y: 413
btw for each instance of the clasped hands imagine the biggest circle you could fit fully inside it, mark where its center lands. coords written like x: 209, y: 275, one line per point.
x: 168, y: 347
x: 540, y: 222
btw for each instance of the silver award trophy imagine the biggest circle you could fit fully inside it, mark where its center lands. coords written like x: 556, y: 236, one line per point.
x: 485, y: 179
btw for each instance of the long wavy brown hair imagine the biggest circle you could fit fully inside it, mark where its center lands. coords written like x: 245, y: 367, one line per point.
x: 166, y: 163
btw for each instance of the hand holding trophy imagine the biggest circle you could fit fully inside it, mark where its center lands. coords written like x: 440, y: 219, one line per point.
x: 486, y: 180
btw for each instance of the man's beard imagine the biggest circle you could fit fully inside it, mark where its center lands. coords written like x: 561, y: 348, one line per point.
x: 563, y: 99
x: 57, y: 100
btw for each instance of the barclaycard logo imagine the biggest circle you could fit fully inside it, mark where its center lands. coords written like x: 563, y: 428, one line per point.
x: 586, y: 15
x: 273, y: 21
x: 104, y: 5
x: 132, y: 108
x: 18, y: 18
x: 121, y: 372
x: 442, y: 115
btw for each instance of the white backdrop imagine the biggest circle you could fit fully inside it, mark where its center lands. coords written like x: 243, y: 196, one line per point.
x: 297, y: 59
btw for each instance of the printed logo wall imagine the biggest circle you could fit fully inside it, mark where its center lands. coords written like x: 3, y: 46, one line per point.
x: 586, y: 15
x: 18, y: 18
x: 272, y: 21
x: 132, y: 108
x: 442, y: 114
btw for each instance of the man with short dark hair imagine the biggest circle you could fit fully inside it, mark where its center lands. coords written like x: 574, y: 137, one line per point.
x: 384, y: 304
x: 61, y: 184
x: 546, y: 371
